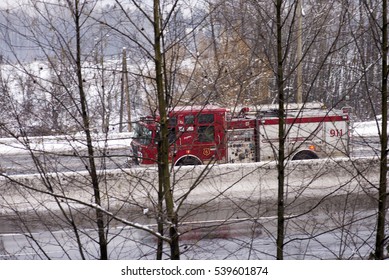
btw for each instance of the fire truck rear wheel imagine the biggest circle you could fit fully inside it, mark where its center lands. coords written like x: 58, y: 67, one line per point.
x: 188, y: 161
x: 305, y: 155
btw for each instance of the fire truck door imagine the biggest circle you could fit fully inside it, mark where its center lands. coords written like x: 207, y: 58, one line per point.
x: 206, y: 136
x: 211, y: 136
x: 267, y: 143
x: 186, y: 131
x: 220, y: 136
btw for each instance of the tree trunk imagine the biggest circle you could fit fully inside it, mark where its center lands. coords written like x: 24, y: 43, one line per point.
x: 281, y: 138
x: 85, y: 118
x: 163, y: 151
x: 382, y: 194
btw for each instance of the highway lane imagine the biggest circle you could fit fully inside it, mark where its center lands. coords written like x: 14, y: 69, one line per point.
x: 322, y: 239
x: 62, y: 153
x: 23, y: 163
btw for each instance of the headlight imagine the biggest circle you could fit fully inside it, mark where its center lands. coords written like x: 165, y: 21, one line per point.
x: 140, y: 157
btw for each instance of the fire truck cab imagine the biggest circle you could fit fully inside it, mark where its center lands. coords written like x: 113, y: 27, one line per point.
x: 203, y: 134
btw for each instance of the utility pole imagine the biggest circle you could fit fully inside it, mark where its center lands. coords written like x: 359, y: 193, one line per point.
x: 125, y: 94
x: 1, y: 66
x: 122, y: 94
x: 299, y: 96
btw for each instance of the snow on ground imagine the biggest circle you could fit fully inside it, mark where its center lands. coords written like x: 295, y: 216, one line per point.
x: 64, y: 143
x: 366, y: 129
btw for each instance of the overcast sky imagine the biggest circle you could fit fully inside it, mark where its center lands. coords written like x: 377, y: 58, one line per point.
x: 5, y: 3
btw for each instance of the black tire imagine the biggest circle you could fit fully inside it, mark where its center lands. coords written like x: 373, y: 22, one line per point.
x: 188, y: 160
x: 305, y: 155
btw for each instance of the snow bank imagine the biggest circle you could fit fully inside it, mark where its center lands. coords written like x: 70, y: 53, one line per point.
x: 63, y: 143
x: 366, y: 129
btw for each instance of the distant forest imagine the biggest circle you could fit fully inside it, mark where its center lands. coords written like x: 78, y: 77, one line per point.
x: 216, y: 51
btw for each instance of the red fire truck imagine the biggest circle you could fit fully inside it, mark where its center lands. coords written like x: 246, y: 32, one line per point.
x: 204, y: 134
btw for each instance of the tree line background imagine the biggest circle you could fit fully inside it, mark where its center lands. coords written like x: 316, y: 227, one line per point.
x: 221, y: 52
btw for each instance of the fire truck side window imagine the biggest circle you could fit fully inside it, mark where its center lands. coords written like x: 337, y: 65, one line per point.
x: 142, y: 134
x: 172, y: 135
x: 172, y: 130
x: 206, y: 118
x: 173, y: 121
x: 189, y: 119
x: 206, y: 133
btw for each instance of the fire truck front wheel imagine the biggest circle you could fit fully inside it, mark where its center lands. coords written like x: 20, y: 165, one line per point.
x: 306, y: 154
x: 188, y: 160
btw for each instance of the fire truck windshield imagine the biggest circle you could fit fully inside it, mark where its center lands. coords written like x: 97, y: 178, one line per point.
x: 142, y: 134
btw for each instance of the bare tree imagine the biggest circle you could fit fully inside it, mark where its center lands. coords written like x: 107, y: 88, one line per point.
x: 382, y: 189
x: 370, y: 60
x: 68, y: 50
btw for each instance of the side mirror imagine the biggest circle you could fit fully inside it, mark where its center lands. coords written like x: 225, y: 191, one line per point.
x: 157, y: 137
